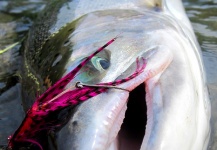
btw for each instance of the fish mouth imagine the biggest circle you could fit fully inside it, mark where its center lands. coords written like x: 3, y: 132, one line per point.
x: 138, y: 121
x: 131, y: 117
x: 133, y: 128
x: 125, y: 118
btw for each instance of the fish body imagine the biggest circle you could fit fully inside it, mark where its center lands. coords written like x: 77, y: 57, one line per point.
x: 173, y: 83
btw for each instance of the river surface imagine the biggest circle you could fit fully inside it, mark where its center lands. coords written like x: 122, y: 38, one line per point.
x: 16, y: 16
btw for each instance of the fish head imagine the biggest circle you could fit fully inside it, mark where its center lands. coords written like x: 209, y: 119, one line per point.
x: 167, y: 106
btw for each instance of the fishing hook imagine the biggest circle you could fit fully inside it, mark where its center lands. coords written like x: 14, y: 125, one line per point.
x: 81, y: 85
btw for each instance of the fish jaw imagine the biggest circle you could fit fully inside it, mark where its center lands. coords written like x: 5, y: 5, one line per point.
x: 97, y: 127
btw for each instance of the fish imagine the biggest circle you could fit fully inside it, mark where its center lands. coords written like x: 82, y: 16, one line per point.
x: 168, y: 105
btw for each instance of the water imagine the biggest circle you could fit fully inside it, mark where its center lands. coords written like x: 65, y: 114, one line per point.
x: 17, y: 16
x: 15, y: 19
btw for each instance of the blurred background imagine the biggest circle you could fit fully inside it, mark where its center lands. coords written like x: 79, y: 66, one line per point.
x: 16, y: 16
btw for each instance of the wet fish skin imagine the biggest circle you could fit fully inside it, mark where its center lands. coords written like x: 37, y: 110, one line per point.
x: 84, y: 25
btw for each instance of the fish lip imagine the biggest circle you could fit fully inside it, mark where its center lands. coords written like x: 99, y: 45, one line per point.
x: 131, y: 86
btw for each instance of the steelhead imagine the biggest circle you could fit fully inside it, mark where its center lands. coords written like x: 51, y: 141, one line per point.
x: 167, y: 107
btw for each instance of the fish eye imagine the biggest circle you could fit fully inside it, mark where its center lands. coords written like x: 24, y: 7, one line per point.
x: 99, y: 63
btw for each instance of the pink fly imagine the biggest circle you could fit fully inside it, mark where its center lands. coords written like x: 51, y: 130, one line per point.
x: 39, y: 118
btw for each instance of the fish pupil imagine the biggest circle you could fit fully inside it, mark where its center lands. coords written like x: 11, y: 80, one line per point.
x: 104, y: 64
